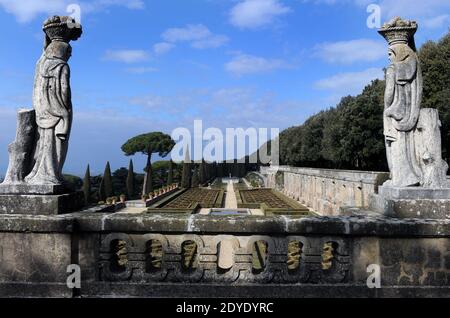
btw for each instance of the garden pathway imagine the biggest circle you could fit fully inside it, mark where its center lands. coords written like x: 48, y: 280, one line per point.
x: 230, y: 198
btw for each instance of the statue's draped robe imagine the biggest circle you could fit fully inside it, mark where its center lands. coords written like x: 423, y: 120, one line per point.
x: 52, y: 103
x: 402, y: 109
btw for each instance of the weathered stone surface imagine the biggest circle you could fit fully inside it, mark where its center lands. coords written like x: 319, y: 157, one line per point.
x: 34, y: 183
x: 429, y: 150
x: 358, y: 224
x: 226, y: 253
x: 52, y: 102
x: 41, y: 204
x: 412, y: 135
x: 413, y: 193
x: 366, y: 251
x: 379, y: 204
x: 32, y: 257
x: 33, y: 290
x: 325, y: 190
x: 414, y: 262
x: 428, y: 209
x: 24, y: 188
x: 412, y: 252
x: 412, y: 202
x: 36, y: 223
x: 334, y: 192
x: 38, y: 154
x: 402, y: 102
x: 20, y: 149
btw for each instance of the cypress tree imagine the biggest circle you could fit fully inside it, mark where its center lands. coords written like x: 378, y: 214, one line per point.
x: 242, y: 170
x: 234, y: 169
x: 170, y: 174
x: 101, y: 190
x: 194, y: 182
x: 106, y: 187
x: 220, y: 170
x: 216, y: 169
x: 186, y: 175
x: 207, y: 171
x: 87, y: 186
x: 201, y: 174
x: 130, y: 180
x: 224, y: 169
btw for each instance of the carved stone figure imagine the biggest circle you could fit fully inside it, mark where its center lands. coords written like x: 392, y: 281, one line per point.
x: 412, y: 135
x: 38, y: 154
x: 34, y: 183
x: 52, y: 102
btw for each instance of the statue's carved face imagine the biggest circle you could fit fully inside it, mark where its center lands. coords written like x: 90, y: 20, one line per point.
x: 399, y: 52
x: 391, y: 54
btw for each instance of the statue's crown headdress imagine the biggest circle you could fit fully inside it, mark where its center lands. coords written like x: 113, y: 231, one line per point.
x: 399, y: 31
x: 62, y: 28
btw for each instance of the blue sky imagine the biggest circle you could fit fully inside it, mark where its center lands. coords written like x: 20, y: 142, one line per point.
x: 156, y: 65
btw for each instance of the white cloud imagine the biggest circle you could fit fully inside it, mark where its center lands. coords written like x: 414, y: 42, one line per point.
x: 198, y: 35
x: 126, y: 56
x: 224, y: 108
x: 414, y: 9
x: 210, y: 42
x: 437, y: 22
x: 189, y: 33
x: 130, y: 4
x: 162, y: 48
x: 150, y: 101
x: 347, y: 52
x: 253, y: 14
x: 428, y: 13
x: 244, y: 64
x: 141, y: 70
x: 349, y: 83
x: 27, y: 10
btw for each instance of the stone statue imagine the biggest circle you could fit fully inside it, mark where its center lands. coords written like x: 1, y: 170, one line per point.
x: 412, y: 135
x: 42, y: 157
x: 34, y: 183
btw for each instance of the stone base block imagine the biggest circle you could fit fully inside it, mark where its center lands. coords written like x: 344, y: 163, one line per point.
x: 23, y: 188
x: 411, y: 208
x: 41, y: 204
x: 413, y: 193
x: 422, y: 209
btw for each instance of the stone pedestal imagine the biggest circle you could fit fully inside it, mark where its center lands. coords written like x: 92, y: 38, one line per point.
x: 38, y: 199
x: 23, y: 188
x: 414, y: 193
x: 41, y: 204
x: 412, y: 202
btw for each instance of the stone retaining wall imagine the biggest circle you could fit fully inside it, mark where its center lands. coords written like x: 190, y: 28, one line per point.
x: 325, y: 190
x: 124, y: 255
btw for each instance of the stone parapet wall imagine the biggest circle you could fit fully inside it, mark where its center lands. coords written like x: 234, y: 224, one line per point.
x: 325, y: 190
x: 154, y: 255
